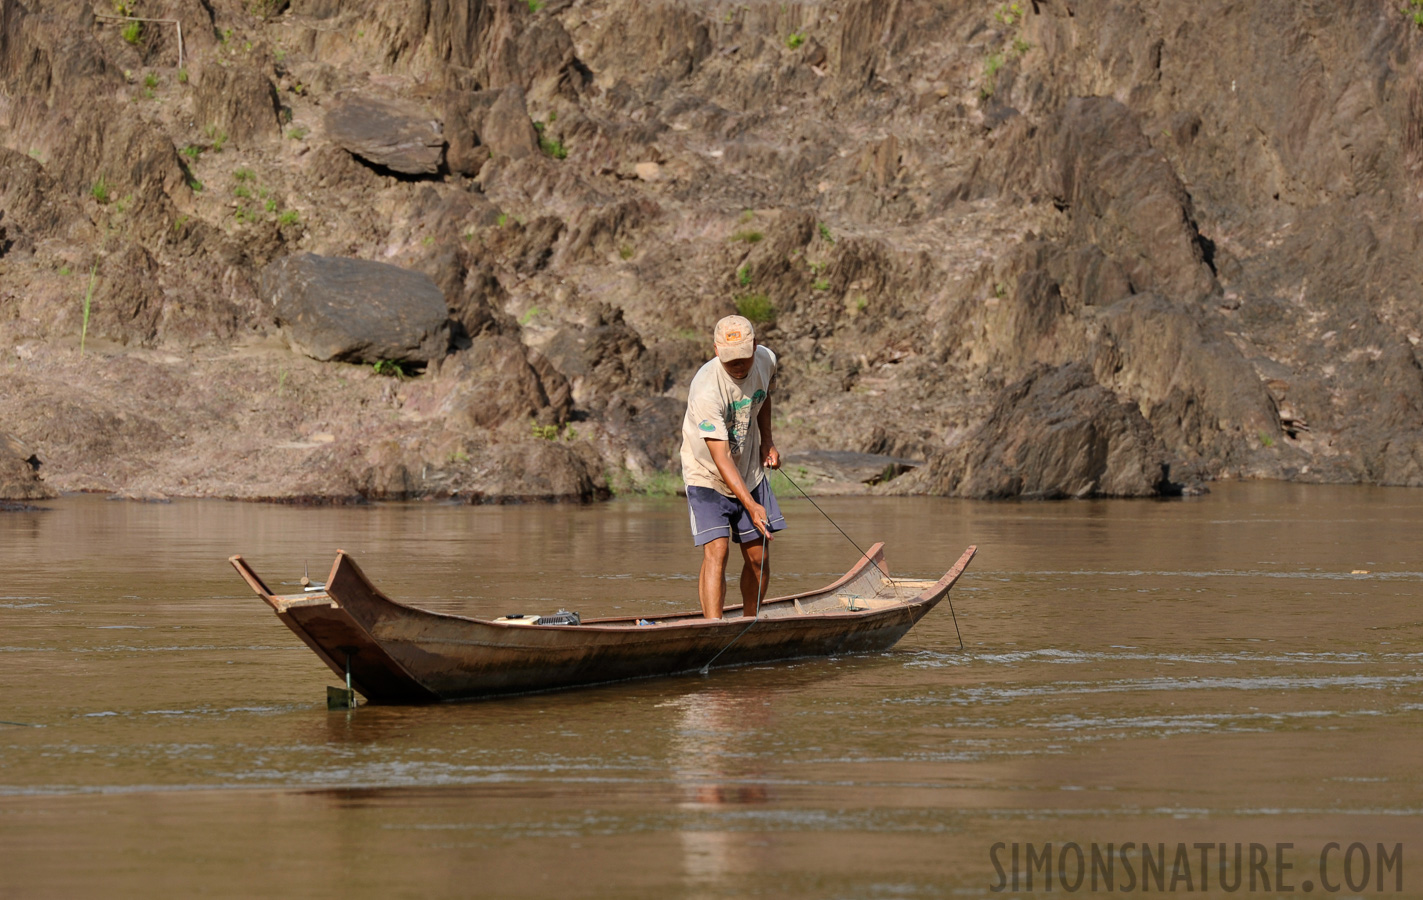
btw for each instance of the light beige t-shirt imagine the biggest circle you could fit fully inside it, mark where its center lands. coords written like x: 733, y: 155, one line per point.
x: 724, y: 409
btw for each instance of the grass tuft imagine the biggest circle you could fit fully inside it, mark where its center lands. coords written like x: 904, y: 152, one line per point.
x: 100, y: 190
x: 756, y: 307
x: 390, y: 368
x: 553, y: 147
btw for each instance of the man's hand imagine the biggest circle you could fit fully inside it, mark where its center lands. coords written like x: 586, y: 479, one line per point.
x: 772, y: 458
x: 760, y: 519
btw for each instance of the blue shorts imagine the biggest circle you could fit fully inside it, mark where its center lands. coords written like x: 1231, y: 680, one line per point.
x: 715, y: 515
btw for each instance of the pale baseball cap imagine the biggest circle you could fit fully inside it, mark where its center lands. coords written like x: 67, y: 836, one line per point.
x: 735, y: 338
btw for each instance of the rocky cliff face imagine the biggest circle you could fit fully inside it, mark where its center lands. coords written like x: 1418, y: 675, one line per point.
x: 1047, y: 247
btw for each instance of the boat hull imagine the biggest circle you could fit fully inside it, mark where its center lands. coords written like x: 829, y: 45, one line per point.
x: 402, y: 654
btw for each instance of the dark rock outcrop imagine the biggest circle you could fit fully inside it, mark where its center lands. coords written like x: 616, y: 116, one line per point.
x: 355, y: 310
x: 238, y: 102
x: 19, y: 472
x: 1052, y: 435
x: 499, y: 383
x: 1123, y: 197
x: 393, y: 134
x: 481, y: 124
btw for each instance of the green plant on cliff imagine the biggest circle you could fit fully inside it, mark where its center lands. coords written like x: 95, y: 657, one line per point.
x: 756, y: 307
x: 748, y: 236
x: 545, y: 432
x: 549, y: 145
x: 821, y: 284
x: 795, y: 40
x: 825, y: 234
x: 100, y: 190
x: 743, y: 276
x: 389, y: 368
x: 217, y: 138
x: 780, y: 480
x: 990, y: 75
x: 535, y: 5
x: 1009, y: 14
x: 289, y: 218
x: 1415, y: 9
x: 132, y: 32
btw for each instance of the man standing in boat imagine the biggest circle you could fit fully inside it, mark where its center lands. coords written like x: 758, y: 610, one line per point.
x: 726, y: 449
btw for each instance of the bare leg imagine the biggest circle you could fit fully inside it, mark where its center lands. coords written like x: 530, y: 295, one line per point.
x: 753, y: 579
x: 711, y: 587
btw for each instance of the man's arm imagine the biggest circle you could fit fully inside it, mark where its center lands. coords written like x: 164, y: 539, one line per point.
x: 726, y: 468
x: 770, y: 456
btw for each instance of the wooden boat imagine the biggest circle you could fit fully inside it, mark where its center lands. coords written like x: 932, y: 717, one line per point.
x: 395, y: 653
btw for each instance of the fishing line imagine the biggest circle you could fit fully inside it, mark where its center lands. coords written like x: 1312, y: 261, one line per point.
x: 760, y: 595
x: 882, y: 572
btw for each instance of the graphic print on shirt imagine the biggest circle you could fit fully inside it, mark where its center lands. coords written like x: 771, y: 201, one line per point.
x: 738, y: 420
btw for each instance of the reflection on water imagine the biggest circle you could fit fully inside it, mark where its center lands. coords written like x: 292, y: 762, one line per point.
x: 715, y: 762
x: 1215, y: 669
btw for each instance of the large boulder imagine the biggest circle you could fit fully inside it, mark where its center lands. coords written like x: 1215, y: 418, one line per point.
x: 1053, y: 435
x: 399, y: 136
x: 480, y: 124
x: 355, y: 310
x: 19, y: 472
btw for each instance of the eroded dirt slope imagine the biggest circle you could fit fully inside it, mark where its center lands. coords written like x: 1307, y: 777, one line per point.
x: 1198, y: 222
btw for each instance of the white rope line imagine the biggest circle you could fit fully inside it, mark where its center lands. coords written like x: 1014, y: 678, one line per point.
x: 173, y: 22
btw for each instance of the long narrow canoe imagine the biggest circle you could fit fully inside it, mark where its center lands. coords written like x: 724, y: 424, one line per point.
x: 401, y: 654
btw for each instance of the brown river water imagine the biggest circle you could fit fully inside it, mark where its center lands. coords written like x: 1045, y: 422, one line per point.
x: 1207, y: 670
